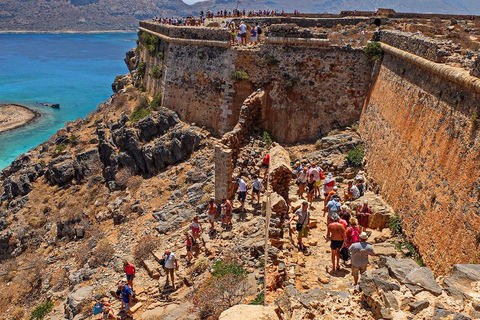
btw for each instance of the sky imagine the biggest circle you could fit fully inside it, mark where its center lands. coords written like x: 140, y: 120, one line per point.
x: 192, y: 1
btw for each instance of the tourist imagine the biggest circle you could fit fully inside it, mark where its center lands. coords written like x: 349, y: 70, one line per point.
x: 302, y: 181
x: 363, y: 215
x: 171, y: 264
x: 333, y: 207
x: 126, y: 294
x: 257, y: 186
x: 197, y: 229
x: 360, y: 185
x: 345, y: 213
x: 303, y: 223
x: 352, y: 192
x: 190, y: 242
x: 266, y: 164
x: 226, y: 212
x: 328, y: 185
x: 242, y: 192
x: 129, y: 269
x: 233, y: 33
x: 107, y: 310
x: 211, y: 211
x: 243, y: 33
x: 352, y: 233
x: 336, y: 236
x: 329, y: 197
x: 253, y: 36
x: 310, y: 189
x: 360, y: 252
x: 316, y: 175
x: 259, y: 32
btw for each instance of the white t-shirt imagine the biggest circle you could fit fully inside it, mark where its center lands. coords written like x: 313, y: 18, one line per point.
x: 170, y: 262
x: 242, y: 186
x: 243, y: 28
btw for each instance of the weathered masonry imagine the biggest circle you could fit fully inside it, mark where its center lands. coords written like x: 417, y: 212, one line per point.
x: 418, y: 116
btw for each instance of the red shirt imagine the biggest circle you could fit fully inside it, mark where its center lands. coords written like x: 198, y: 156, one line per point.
x: 266, y: 160
x: 130, y: 269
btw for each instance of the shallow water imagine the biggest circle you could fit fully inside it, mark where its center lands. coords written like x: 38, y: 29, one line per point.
x: 74, y: 70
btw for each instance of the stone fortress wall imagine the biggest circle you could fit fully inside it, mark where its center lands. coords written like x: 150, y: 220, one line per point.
x: 418, y: 118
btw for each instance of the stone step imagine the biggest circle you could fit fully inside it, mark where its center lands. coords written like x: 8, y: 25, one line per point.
x: 152, y: 268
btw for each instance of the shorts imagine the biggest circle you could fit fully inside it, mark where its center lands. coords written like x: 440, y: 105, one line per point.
x: 211, y: 218
x: 265, y: 165
x: 195, y: 230
x: 253, y: 38
x: 223, y: 216
x: 357, y: 270
x: 304, y: 232
x: 243, y: 35
x: 255, y: 191
x: 312, y: 190
x: 336, y: 244
x: 169, y: 271
x: 130, y: 277
x: 189, y: 248
x: 318, y: 183
x: 127, y: 306
x: 242, y: 195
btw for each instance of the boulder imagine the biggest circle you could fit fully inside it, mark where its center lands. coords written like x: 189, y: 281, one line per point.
x: 77, y: 299
x: 385, y: 249
x: 459, y: 283
x: 60, y: 173
x: 16, y: 186
x: 86, y: 163
x: 416, y: 307
x: 399, y: 268
x: 423, y: 277
x: 242, y: 311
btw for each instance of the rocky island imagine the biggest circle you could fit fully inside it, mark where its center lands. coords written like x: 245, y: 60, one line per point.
x: 13, y: 116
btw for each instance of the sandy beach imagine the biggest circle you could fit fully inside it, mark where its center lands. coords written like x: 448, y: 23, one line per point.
x: 13, y: 116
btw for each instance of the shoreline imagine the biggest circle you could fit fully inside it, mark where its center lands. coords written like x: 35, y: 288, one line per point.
x: 65, y: 31
x: 27, y: 116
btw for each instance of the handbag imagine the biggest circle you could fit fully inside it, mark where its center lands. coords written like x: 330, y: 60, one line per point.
x: 344, y: 254
x: 300, y: 225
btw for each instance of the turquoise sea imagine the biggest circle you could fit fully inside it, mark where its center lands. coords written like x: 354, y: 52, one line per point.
x: 74, y: 70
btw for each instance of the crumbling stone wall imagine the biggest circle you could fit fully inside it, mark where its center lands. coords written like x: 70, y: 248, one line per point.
x: 422, y: 138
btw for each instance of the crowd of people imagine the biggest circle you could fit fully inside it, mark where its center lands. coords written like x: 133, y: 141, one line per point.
x: 346, y: 226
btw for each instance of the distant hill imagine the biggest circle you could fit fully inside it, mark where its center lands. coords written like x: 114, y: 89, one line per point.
x: 85, y: 15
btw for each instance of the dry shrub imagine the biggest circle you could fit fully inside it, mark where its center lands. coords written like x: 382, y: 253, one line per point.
x: 205, y: 198
x: 134, y: 183
x: 122, y: 177
x: 103, y: 253
x: 82, y: 254
x: 144, y: 247
x: 200, y: 265
x: 36, y: 221
x: 318, y: 144
x: 218, y: 294
x: 208, y: 188
x: 17, y: 313
x: 10, y: 270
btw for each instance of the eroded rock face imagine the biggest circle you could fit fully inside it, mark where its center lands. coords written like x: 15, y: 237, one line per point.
x: 77, y: 299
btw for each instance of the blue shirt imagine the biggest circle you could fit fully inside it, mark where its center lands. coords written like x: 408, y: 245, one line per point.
x: 333, y: 206
x: 126, y: 293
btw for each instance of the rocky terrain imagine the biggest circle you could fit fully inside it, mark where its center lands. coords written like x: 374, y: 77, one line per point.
x: 102, y: 15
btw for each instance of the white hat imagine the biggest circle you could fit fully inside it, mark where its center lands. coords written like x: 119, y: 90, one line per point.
x: 363, y: 236
x: 329, y: 175
x: 335, y: 188
x: 365, y: 201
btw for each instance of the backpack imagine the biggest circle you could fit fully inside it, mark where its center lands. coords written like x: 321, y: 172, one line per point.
x: 355, y: 236
x: 259, y: 30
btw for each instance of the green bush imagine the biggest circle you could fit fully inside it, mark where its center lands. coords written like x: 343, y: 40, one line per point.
x: 225, y: 267
x: 73, y: 139
x: 374, y: 51
x: 355, y: 157
x: 139, y: 113
x: 150, y: 42
x: 267, y: 139
x: 59, y: 149
x: 156, y: 72
x: 156, y: 101
x: 141, y: 68
x: 239, y: 75
x: 42, y: 310
x: 394, y: 224
x: 270, y: 60
x: 259, y: 299
x: 161, y: 55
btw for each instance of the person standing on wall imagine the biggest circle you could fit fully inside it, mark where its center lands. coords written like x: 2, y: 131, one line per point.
x: 243, y: 33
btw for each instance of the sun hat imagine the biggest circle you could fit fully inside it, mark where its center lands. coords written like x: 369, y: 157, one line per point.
x: 329, y: 175
x: 363, y: 236
x: 335, y: 188
x: 365, y: 201
x: 335, y: 217
x: 305, y: 203
x: 344, y: 207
